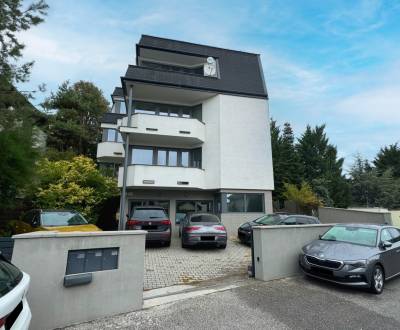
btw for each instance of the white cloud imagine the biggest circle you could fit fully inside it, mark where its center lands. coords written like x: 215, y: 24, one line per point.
x: 381, y: 105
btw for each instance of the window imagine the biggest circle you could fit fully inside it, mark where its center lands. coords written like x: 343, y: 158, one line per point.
x: 111, y: 135
x: 10, y: 276
x: 254, y: 203
x: 119, y: 137
x: 172, y: 158
x: 138, y: 203
x: 93, y: 260
x: 122, y: 107
x: 241, y: 202
x: 148, y: 213
x: 162, y: 157
x: 185, y: 158
x: 166, y: 157
x: 147, y: 112
x: 142, y: 156
x: 171, y: 110
x: 62, y: 218
x: 204, y: 218
x: 235, y: 202
x: 395, y: 235
x: 385, y: 235
x: 354, y: 235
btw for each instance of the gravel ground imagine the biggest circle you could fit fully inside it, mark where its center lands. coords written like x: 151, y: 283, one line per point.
x: 296, y: 303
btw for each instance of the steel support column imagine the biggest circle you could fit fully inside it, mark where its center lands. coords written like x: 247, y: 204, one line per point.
x: 122, y: 215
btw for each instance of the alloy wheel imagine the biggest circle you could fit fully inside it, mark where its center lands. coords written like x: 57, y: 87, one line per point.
x: 378, y: 279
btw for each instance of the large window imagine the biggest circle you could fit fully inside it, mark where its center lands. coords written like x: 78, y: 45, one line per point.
x: 171, y: 110
x: 142, y: 156
x: 111, y: 135
x: 166, y: 156
x: 241, y: 202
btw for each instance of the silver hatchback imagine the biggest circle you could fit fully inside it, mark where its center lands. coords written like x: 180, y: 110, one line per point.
x: 202, y: 229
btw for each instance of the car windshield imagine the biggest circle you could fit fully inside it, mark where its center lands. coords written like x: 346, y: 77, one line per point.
x: 63, y: 218
x: 204, y: 218
x: 10, y: 276
x: 143, y: 214
x: 270, y: 219
x: 355, y: 235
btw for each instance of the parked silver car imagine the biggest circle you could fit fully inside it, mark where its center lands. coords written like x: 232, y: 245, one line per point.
x: 360, y: 255
x: 202, y: 229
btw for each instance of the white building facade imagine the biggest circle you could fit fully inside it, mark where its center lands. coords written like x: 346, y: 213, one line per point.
x: 193, y: 121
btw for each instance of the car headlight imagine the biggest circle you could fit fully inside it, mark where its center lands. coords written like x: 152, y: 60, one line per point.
x: 357, y: 263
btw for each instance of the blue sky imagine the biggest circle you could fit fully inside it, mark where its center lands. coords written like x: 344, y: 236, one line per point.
x: 333, y: 62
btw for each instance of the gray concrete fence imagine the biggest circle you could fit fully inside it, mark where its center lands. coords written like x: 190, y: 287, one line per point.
x: 277, y: 248
x: 44, y: 255
x: 337, y: 215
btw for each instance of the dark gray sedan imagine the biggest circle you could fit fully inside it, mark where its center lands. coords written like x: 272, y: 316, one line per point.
x: 202, y: 229
x: 354, y: 254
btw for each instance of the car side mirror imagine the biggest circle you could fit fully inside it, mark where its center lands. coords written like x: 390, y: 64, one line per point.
x: 386, y: 244
x: 319, y: 236
x: 177, y: 221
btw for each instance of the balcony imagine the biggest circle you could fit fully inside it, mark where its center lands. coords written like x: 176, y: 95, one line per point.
x: 110, y: 152
x: 163, y: 177
x: 163, y: 130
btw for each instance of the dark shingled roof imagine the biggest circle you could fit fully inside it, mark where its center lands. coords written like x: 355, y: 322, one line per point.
x: 118, y: 91
x: 240, y: 72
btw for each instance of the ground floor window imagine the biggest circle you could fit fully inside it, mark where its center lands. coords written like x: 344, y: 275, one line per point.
x: 142, y: 202
x: 184, y: 207
x: 241, y: 202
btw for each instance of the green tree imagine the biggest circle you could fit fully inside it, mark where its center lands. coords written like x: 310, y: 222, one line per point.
x: 13, y: 20
x: 303, y: 196
x: 369, y: 188
x: 75, y: 184
x: 321, y: 166
x: 74, y: 124
x: 285, y: 159
x: 17, y: 116
x: 388, y: 158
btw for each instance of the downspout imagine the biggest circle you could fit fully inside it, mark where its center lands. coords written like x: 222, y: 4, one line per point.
x: 122, y: 215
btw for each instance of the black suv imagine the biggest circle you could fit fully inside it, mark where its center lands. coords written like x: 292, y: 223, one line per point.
x: 244, y: 231
x: 154, y: 220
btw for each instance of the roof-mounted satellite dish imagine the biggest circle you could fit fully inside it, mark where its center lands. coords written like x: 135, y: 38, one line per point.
x: 210, y: 68
x: 210, y: 60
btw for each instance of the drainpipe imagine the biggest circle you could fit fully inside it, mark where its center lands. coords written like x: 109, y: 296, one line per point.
x: 122, y: 215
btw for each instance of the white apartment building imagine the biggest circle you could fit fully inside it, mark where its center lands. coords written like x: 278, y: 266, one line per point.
x: 191, y: 126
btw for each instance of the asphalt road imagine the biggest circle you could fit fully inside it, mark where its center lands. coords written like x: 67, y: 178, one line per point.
x: 296, y: 303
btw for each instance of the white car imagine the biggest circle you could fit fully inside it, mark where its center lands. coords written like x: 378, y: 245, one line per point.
x: 14, y: 309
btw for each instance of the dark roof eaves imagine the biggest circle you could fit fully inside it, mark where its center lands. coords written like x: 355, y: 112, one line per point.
x: 193, y: 44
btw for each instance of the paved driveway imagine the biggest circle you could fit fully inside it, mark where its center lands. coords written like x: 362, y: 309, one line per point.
x: 166, y: 266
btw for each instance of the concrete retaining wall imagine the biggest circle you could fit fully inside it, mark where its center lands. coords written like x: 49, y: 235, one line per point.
x: 395, y: 218
x: 336, y: 215
x: 43, y: 255
x: 276, y: 249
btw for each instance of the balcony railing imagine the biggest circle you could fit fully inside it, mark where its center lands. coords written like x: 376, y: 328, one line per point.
x: 180, y: 132
x: 112, y: 152
x: 162, y: 176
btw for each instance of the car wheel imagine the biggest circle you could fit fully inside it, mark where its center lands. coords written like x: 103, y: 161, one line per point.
x: 168, y: 243
x: 183, y: 245
x: 222, y: 246
x: 179, y: 233
x: 378, y: 280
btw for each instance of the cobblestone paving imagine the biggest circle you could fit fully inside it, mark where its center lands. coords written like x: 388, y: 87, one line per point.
x: 166, y: 266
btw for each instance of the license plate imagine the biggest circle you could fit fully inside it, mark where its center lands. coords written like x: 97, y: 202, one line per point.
x: 208, y: 238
